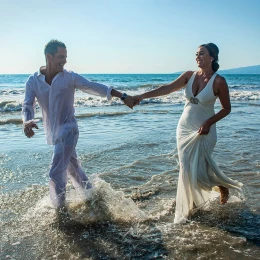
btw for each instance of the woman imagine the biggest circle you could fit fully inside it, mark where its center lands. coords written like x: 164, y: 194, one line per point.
x: 196, y: 132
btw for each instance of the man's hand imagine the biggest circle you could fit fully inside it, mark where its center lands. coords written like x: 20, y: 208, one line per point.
x: 28, y: 129
x: 128, y: 100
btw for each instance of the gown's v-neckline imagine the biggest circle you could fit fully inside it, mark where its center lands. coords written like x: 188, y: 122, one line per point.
x: 203, y: 88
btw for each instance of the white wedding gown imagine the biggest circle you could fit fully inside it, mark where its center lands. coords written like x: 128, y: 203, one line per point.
x: 198, y: 171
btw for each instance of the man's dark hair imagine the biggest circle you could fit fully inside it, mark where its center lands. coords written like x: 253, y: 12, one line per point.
x: 52, y: 47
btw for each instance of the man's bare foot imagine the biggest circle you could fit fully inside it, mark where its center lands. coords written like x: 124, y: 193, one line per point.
x: 224, y: 194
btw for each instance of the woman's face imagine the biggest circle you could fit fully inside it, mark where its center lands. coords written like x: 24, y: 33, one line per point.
x: 203, y: 58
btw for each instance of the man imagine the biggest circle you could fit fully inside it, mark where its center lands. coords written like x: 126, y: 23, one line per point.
x: 54, y: 87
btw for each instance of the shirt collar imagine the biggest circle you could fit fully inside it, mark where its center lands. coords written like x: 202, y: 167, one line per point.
x: 39, y: 74
x: 39, y: 71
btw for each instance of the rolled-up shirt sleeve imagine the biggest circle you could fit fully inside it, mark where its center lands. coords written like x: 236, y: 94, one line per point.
x: 29, y: 102
x: 92, y: 88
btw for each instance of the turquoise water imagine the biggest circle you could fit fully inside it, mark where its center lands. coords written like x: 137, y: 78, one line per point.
x: 133, y: 151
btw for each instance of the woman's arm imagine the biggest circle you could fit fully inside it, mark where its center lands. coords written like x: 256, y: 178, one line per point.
x: 220, y: 88
x: 177, y: 84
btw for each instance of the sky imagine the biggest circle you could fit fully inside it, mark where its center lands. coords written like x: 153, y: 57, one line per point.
x: 128, y: 36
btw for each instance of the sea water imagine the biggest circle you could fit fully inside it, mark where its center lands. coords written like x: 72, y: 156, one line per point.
x: 130, y: 156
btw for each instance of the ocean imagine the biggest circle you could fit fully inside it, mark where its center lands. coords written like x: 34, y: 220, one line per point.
x: 130, y: 156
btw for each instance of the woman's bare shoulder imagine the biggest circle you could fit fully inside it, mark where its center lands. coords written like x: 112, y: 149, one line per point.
x: 219, y: 84
x: 220, y: 80
x: 187, y: 75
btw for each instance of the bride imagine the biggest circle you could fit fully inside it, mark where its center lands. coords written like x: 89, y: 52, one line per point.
x: 196, y: 132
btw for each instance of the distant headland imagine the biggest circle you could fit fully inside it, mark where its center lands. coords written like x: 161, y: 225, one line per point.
x: 242, y: 70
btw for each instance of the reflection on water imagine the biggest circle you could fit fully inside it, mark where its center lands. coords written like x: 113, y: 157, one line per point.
x: 107, y: 224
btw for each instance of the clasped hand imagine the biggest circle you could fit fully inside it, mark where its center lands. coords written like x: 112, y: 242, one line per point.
x: 132, y: 101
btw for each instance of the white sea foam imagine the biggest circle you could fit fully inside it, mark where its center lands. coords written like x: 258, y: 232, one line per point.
x: 85, y: 100
x: 244, y: 95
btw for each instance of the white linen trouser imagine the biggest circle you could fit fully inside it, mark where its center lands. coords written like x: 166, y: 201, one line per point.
x: 64, y: 164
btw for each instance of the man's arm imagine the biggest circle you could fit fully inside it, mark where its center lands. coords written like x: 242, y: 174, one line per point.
x: 28, y: 110
x: 99, y: 89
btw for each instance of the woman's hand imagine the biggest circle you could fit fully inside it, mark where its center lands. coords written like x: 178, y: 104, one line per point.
x: 138, y: 99
x: 204, y: 129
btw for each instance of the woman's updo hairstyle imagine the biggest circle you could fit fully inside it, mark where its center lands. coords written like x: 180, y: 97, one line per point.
x: 213, y: 52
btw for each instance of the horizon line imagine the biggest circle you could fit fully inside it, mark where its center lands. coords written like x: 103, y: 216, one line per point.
x: 136, y: 73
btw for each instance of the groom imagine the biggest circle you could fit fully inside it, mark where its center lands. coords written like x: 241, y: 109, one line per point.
x: 54, y: 88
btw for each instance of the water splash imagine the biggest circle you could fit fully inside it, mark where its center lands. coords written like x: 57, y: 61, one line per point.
x: 101, y: 204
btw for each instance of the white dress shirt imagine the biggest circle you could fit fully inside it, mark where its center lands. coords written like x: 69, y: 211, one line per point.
x: 57, y: 100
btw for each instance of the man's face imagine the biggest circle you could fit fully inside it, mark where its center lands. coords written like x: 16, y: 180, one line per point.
x: 58, y: 61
